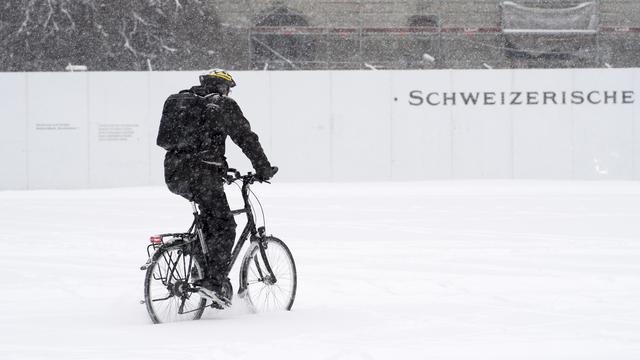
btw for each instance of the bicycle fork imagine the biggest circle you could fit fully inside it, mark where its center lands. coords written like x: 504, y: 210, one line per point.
x: 270, y: 279
x: 265, y: 272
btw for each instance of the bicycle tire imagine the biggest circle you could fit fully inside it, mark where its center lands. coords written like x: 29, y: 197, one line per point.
x: 165, y: 308
x: 258, y: 293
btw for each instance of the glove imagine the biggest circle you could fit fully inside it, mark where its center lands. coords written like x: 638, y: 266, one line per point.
x: 266, y: 173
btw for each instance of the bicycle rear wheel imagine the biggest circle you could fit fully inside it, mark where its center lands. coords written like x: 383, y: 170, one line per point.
x: 261, y: 292
x: 167, y: 284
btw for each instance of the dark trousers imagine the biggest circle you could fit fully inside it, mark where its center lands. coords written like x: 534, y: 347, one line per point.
x: 218, y: 225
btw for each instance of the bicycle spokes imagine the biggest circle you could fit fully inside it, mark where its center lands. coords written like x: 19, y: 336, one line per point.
x: 270, y: 277
x: 168, y: 292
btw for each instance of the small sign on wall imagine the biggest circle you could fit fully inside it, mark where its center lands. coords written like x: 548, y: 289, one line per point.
x: 117, y: 132
x: 55, y: 126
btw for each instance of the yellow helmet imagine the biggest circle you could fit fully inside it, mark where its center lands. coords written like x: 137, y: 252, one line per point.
x: 217, y: 76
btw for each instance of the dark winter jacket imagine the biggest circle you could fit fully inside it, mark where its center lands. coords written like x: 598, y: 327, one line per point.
x: 184, y: 171
x: 224, y: 117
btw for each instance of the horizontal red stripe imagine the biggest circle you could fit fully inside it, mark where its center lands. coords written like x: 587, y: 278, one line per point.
x: 622, y: 29
x: 302, y: 30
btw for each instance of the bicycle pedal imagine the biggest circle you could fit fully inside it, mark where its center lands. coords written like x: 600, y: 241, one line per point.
x: 215, y: 298
x: 218, y: 306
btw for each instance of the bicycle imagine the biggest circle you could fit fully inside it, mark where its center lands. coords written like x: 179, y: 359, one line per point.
x: 267, y: 281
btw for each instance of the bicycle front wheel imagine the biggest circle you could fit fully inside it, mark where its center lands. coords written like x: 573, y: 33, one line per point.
x: 167, y: 286
x: 262, y: 291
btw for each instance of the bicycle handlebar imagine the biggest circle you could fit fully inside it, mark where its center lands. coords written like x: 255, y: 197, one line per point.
x: 233, y: 175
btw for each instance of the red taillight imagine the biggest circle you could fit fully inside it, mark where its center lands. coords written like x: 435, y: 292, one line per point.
x: 156, y: 240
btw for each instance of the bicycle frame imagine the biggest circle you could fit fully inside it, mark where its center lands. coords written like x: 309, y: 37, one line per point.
x: 249, y: 232
x: 183, y: 243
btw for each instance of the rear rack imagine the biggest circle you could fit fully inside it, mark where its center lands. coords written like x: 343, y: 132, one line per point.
x: 161, y: 239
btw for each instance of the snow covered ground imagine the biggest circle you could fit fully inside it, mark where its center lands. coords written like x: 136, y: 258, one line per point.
x: 429, y: 270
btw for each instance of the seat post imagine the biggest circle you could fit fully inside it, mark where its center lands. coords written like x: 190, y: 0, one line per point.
x: 198, y: 228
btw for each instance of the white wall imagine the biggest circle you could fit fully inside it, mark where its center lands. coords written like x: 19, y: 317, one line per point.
x: 13, y: 131
x: 57, y: 130
x: 79, y: 130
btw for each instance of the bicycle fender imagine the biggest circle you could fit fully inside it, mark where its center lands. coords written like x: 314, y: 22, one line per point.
x: 245, y: 259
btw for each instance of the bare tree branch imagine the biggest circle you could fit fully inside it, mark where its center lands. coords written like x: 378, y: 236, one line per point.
x: 27, y: 17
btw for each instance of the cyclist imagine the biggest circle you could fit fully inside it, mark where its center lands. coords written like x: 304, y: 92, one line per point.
x: 207, y: 166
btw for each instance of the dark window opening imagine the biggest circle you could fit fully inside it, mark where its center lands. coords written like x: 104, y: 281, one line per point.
x: 424, y: 21
x: 276, y: 43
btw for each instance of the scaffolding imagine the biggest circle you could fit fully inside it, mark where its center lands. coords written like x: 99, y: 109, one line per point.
x: 429, y: 34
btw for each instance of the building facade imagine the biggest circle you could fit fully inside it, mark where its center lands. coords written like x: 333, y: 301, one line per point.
x: 342, y: 34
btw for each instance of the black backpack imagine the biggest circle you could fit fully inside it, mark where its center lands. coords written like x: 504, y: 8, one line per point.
x: 182, y: 134
x: 181, y: 125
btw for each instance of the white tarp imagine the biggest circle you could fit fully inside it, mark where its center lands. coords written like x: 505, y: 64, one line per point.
x: 583, y: 17
x: 537, y: 31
